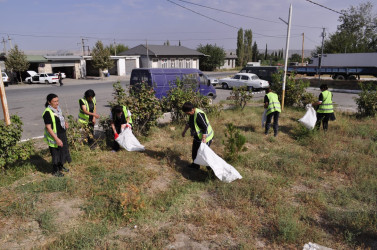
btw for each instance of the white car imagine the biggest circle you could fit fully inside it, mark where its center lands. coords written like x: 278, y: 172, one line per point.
x: 41, y: 78
x: 251, y: 81
x: 63, y: 74
x: 214, y: 81
x: 5, y: 78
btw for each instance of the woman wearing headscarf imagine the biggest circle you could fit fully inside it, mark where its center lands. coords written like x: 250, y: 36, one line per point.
x: 55, y: 134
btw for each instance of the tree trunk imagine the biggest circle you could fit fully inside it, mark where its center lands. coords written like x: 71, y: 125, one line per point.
x: 101, y: 73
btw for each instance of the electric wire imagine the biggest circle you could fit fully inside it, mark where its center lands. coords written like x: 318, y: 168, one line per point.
x: 325, y: 7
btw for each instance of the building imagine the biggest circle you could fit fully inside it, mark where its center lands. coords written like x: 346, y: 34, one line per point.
x: 165, y: 56
x: 230, y: 60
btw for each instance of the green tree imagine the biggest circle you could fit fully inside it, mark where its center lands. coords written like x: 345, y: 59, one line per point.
x: 295, y: 58
x: 101, y: 57
x: 115, y: 50
x: 248, y: 39
x: 255, y: 52
x: 215, y: 58
x: 240, y: 48
x: 356, y: 33
x: 265, y: 53
x: 16, y: 61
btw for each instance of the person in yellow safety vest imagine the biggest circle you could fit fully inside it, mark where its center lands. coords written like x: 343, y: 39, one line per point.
x: 120, y: 119
x: 87, y: 112
x: 200, y: 128
x: 272, y: 104
x: 325, y: 111
x: 55, y: 135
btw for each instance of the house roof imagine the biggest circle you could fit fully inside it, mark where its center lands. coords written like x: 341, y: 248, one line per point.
x: 161, y: 50
x: 231, y: 54
x: 36, y: 58
x: 63, y: 58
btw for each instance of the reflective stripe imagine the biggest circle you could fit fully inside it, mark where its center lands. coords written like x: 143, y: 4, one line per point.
x: 197, y: 129
x: 326, y: 106
x: 47, y: 137
x: 84, y: 118
x: 273, y: 103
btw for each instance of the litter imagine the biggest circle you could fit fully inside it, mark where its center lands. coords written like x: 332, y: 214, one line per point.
x: 127, y: 140
x: 222, y: 170
x: 315, y: 246
x: 264, y: 117
x: 310, y: 117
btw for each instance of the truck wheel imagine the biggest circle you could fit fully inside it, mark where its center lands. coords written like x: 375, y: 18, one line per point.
x: 340, y: 77
x: 224, y: 85
x: 351, y: 77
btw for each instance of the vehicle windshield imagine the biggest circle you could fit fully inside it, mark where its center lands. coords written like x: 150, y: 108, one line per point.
x: 255, y: 78
x: 3, y: 74
x: 51, y: 74
x: 236, y: 77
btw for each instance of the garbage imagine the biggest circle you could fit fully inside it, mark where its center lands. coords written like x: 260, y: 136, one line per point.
x: 222, y: 170
x: 127, y: 140
x: 315, y: 246
x: 264, y: 117
x: 310, y: 117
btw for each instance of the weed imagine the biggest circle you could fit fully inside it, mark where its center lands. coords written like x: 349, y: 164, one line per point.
x: 46, y: 221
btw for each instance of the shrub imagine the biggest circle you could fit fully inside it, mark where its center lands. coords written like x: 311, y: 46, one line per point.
x: 234, y: 143
x: 295, y: 90
x: 11, y: 150
x: 77, y: 133
x: 241, y: 96
x: 367, y: 100
x: 181, y: 92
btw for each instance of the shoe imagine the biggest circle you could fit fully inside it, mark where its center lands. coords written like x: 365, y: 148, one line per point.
x: 194, y: 166
x: 64, y: 169
x: 58, y: 174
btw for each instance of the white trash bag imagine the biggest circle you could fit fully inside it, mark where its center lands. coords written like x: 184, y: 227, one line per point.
x: 310, y: 117
x: 264, y: 117
x: 222, y: 170
x: 127, y: 140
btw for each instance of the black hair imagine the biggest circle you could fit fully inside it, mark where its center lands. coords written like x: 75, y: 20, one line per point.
x: 49, y: 98
x: 323, y: 86
x: 187, y: 107
x: 116, y: 110
x: 89, y: 93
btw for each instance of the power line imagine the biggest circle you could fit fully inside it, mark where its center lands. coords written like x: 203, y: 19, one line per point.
x: 324, y: 7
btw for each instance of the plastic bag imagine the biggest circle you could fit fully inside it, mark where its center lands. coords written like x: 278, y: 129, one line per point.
x: 310, y: 117
x: 222, y: 170
x: 264, y: 117
x: 127, y: 140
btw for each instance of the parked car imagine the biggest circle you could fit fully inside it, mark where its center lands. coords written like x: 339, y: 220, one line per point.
x: 41, y: 78
x: 63, y: 74
x: 162, y: 80
x: 251, y: 81
x: 214, y: 81
x: 5, y: 78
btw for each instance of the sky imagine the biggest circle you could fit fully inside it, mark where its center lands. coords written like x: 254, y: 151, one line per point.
x: 51, y: 25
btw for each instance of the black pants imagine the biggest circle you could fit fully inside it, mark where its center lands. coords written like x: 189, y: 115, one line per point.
x: 195, y: 147
x: 324, y: 118
x: 276, y: 122
x: 61, y: 82
x: 116, y: 146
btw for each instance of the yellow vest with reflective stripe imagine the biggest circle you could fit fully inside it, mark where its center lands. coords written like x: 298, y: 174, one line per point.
x: 125, y: 112
x: 47, y: 137
x: 197, y: 129
x: 326, y: 106
x: 273, y: 103
x: 84, y: 118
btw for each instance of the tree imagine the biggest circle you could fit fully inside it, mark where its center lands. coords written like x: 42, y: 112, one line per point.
x: 247, y: 43
x: 115, y: 50
x: 255, y: 52
x: 179, y: 44
x: 295, y: 58
x: 356, y: 33
x: 215, y: 58
x: 265, y: 53
x: 16, y: 61
x: 101, y: 57
x: 240, y: 48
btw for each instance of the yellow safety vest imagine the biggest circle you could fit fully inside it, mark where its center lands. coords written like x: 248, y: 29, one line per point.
x: 125, y: 112
x: 84, y: 118
x: 47, y: 137
x: 273, y: 103
x: 197, y: 129
x: 326, y: 106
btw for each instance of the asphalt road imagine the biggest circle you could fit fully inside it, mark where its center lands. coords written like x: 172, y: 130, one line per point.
x: 27, y: 101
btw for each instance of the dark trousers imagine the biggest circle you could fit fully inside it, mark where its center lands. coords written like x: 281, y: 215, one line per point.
x: 276, y: 122
x: 61, y: 81
x: 195, y: 146
x: 324, y: 118
x: 116, y: 146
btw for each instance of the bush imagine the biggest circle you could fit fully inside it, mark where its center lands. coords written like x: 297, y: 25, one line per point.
x: 235, y: 142
x: 11, y: 150
x: 295, y: 90
x: 367, y: 100
x: 77, y: 133
x: 184, y: 91
x: 241, y: 96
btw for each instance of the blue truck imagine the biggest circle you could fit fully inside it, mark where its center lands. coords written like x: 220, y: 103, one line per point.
x: 340, y: 66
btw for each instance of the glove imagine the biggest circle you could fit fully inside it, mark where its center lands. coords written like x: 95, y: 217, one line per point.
x: 116, y: 136
x: 128, y: 125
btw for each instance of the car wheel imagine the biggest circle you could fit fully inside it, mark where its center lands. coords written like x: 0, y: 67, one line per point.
x: 249, y: 88
x: 29, y: 81
x: 46, y: 82
x: 224, y: 85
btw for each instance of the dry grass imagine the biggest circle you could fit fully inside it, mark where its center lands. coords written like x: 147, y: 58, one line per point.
x: 299, y: 187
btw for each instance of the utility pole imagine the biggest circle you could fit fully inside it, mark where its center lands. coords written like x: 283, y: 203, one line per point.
x: 83, y: 45
x: 302, y: 53
x: 320, y: 58
x: 115, y: 48
x: 146, y: 43
x: 4, y: 102
x: 10, y: 42
x: 5, y: 48
x: 286, y: 53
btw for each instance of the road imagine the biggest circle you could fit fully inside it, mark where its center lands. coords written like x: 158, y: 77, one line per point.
x: 27, y: 101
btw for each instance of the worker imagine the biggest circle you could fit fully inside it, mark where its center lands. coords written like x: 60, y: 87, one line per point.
x: 55, y: 135
x: 272, y: 104
x: 88, y: 112
x: 325, y: 111
x: 200, y: 128
x: 120, y: 119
